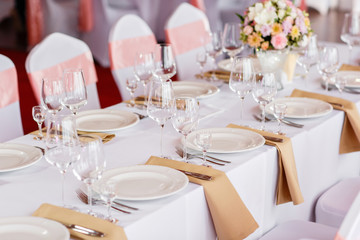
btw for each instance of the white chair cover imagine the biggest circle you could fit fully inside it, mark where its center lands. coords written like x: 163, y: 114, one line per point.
x: 54, y: 54
x: 129, y: 35
x: 106, y: 13
x: 187, y: 30
x: 333, y: 204
x: 10, y: 120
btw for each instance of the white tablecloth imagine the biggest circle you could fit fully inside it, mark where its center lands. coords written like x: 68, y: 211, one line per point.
x: 185, y: 215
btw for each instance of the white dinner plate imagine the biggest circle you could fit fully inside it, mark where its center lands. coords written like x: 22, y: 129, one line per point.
x: 226, y: 65
x: 15, y: 156
x: 104, y: 120
x: 228, y: 140
x: 352, y: 78
x: 194, y: 89
x: 32, y: 228
x: 297, y: 107
x: 144, y: 182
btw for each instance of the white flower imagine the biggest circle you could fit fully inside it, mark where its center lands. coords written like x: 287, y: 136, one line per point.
x: 265, y: 17
x: 257, y: 27
x: 258, y: 7
x: 293, y: 13
x: 281, y: 4
x: 304, y: 41
x: 251, y: 13
x: 281, y: 13
x: 268, y: 5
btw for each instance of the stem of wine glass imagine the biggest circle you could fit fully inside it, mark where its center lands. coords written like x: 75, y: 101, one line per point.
x: 185, y: 149
x: 132, y: 101
x: 40, y: 135
x: 263, y: 104
x: 63, y: 188
x: 279, y: 125
x: 241, y: 107
x: 350, y: 55
x: 88, y: 185
x: 204, y: 163
x: 161, y: 140
x: 109, y: 203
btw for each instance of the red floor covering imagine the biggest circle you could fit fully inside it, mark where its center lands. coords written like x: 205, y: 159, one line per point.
x: 107, y: 89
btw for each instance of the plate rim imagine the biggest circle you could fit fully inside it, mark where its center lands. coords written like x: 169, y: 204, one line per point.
x: 216, y: 89
x: 227, y: 129
x: 348, y: 72
x: 111, y: 111
x: 38, y: 221
x: 36, y: 158
x: 298, y: 116
x: 126, y: 169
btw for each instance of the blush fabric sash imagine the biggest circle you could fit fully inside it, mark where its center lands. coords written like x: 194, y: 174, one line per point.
x: 199, y: 4
x: 122, y: 52
x: 8, y: 87
x: 187, y: 37
x: 86, y: 21
x: 83, y: 61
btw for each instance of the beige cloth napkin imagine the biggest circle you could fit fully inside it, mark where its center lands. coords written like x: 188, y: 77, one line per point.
x: 289, y: 65
x: 288, y: 188
x: 231, y: 218
x: 67, y: 216
x: 106, y: 137
x: 350, y: 135
x: 346, y: 67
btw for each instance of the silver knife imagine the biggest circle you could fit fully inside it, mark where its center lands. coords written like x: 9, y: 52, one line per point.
x: 197, y: 175
x: 85, y: 230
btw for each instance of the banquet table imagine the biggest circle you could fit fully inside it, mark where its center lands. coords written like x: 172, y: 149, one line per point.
x: 185, y: 215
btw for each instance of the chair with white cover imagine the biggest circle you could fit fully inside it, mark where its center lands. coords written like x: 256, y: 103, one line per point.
x: 335, y: 202
x: 10, y: 120
x: 187, y: 30
x: 297, y: 229
x: 53, y: 55
x: 128, y: 36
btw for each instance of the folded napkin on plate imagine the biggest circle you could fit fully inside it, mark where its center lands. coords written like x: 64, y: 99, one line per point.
x: 231, y: 218
x: 346, y: 67
x: 288, y: 188
x: 350, y: 135
x: 220, y: 74
x: 67, y: 216
x: 106, y: 137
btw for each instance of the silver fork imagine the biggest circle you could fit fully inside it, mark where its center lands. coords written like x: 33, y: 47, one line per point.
x: 85, y: 199
x: 220, y: 162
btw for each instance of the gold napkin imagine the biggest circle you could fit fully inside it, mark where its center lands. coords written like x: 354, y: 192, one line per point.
x: 231, y: 218
x: 288, y: 188
x: 346, y: 67
x: 289, y: 65
x: 350, y: 135
x: 220, y: 74
x: 67, y: 216
x: 106, y: 137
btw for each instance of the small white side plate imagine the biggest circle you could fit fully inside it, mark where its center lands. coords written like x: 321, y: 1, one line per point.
x: 194, y: 89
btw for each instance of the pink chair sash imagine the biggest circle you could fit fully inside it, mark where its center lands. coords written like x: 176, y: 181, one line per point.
x: 8, y: 87
x: 338, y: 237
x: 199, y: 4
x: 187, y: 37
x: 86, y: 22
x: 122, y: 52
x: 83, y: 61
x: 34, y: 21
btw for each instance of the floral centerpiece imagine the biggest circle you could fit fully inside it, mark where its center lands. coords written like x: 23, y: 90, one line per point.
x: 275, y: 24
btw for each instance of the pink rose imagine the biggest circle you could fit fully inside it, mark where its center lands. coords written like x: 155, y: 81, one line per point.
x: 265, y: 30
x: 279, y: 41
x: 287, y: 25
x: 248, y: 30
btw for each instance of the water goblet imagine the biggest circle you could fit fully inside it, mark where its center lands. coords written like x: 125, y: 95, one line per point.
x: 75, y: 94
x: 340, y: 83
x: 242, y: 79
x: 279, y: 114
x: 264, y: 92
x: 39, y: 114
x: 52, y: 91
x: 90, y: 166
x: 131, y: 86
x: 165, y: 66
x: 201, y: 60
x: 350, y: 32
x: 108, y: 194
x: 328, y: 63
x: 231, y: 43
x: 308, y: 56
x: 213, y: 49
x: 161, y: 103
x: 203, y: 141
x: 185, y: 118
x: 144, y: 68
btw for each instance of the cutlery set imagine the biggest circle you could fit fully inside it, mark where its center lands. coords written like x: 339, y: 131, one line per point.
x: 210, y: 159
x: 287, y: 122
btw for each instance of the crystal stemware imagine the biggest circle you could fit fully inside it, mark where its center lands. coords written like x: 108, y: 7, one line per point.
x: 203, y: 141
x: 165, y: 66
x: 264, y: 92
x: 186, y: 118
x: 90, y: 166
x: 75, y: 94
x: 350, y: 32
x: 39, y: 114
x: 308, y: 56
x: 131, y: 86
x: 328, y: 63
x: 213, y: 49
x: 201, y: 58
x: 161, y: 103
x: 242, y: 79
x: 279, y: 114
x: 231, y: 43
x: 108, y: 194
x: 52, y: 91
x: 144, y: 68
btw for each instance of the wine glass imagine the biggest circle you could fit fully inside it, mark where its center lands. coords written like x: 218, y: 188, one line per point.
x: 231, y: 43
x: 52, y: 91
x: 131, y: 86
x: 203, y: 141
x: 144, y: 68
x: 201, y: 57
x: 75, y: 94
x: 39, y: 114
x: 328, y: 63
x: 161, y: 103
x: 350, y: 32
x: 308, y: 56
x: 264, y: 92
x: 165, y: 66
x: 242, y: 78
x: 279, y: 114
x: 340, y: 83
x: 186, y: 118
x: 90, y: 166
x: 213, y: 49
x: 67, y: 151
